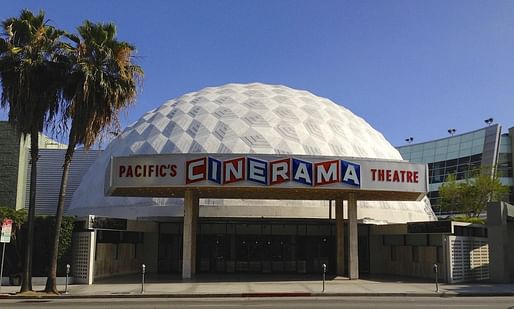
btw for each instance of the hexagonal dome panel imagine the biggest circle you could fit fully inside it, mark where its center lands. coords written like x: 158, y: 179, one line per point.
x: 244, y: 118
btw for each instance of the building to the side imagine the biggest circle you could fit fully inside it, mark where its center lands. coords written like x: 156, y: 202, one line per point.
x: 462, y: 155
x: 15, y: 171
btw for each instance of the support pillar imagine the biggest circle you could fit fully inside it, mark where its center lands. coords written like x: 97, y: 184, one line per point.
x: 191, y: 204
x: 353, y: 256
x: 339, y: 238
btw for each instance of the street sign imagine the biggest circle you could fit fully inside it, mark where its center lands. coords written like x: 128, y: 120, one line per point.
x: 5, y: 237
x: 6, y: 231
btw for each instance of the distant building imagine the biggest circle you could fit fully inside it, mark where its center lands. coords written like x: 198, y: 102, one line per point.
x: 462, y: 154
x: 15, y: 167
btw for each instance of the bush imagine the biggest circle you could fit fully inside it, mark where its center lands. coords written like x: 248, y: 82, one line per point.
x: 14, y: 249
x: 469, y: 220
x: 43, y: 238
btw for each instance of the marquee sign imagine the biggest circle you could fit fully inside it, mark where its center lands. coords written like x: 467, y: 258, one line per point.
x: 254, y: 170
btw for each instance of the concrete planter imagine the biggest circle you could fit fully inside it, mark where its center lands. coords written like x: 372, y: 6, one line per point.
x: 36, y: 281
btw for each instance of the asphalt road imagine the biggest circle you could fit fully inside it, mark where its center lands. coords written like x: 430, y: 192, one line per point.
x: 277, y: 302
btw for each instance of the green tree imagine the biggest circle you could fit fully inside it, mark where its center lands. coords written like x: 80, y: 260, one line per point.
x: 102, y: 81
x: 19, y: 217
x: 470, y: 196
x: 31, y: 76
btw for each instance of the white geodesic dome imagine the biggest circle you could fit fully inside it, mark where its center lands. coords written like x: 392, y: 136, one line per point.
x: 244, y: 118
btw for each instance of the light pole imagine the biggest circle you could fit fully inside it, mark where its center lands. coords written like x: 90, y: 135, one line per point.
x: 409, y: 140
x: 489, y: 121
x: 451, y: 131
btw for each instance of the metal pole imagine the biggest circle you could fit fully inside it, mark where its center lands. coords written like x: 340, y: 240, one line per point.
x: 67, y: 275
x: 436, y: 279
x: 143, y: 267
x: 2, y: 267
x: 330, y: 210
x: 324, y: 271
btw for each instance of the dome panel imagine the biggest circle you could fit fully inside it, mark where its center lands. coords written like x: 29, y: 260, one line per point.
x: 243, y: 118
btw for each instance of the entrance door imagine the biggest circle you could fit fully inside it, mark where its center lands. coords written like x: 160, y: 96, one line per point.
x: 169, y: 256
x: 213, y: 252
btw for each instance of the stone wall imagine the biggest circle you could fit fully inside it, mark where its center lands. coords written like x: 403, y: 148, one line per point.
x: 9, y: 161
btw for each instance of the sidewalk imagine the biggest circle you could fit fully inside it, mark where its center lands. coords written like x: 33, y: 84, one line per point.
x: 241, y: 286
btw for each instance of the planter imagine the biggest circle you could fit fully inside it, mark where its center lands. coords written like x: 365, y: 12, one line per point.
x: 15, y: 279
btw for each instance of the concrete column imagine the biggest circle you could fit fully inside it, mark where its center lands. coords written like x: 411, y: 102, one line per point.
x: 340, y: 238
x: 499, y: 241
x: 353, y: 237
x: 191, y: 205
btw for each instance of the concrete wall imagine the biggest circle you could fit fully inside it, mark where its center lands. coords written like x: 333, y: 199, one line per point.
x: 126, y: 258
x: 510, y: 250
x: 118, y: 259
x: 500, y: 225
x: 382, y: 263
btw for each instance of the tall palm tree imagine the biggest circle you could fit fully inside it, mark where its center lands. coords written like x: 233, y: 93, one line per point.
x: 31, y: 77
x: 102, y: 81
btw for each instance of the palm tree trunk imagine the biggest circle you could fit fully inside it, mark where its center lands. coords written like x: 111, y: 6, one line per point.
x: 51, y: 281
x: 27, y: 261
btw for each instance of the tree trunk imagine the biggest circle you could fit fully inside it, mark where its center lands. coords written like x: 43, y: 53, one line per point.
x: 51, y: 281
x: 27, y: 261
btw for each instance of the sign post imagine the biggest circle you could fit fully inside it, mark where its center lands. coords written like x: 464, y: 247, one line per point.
x: 5, y: 237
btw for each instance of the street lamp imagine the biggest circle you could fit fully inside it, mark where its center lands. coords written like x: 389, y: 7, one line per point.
x: 489, y: 121
x: 409, y: 140
x: 451, y: 131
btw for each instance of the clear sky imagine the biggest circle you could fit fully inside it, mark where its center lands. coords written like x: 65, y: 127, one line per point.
x: 410, y: 68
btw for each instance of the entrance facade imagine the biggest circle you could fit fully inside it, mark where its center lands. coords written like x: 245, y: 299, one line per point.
x: 259, y: 247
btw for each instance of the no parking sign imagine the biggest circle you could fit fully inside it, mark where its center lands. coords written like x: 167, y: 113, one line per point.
x: 6, y: 231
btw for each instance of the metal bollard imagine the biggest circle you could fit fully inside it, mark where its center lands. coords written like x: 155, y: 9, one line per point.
x: 436, y: 271
x: 143, y: 268
x: 324, y: 266
x: 67, y: 275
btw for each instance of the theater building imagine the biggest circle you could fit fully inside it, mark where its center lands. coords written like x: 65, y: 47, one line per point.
x: 251, y: 178
x: 265, y: 176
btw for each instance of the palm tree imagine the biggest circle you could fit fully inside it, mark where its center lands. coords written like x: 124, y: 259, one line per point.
x: 102, y: 81
x: 31, y: 77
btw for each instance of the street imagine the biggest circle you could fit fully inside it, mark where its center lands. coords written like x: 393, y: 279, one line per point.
x: 276, y: 302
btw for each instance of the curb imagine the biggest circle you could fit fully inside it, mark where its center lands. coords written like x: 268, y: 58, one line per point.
x: 263, y: 294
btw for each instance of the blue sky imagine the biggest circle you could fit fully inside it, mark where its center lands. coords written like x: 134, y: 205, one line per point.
x: 410, y: 68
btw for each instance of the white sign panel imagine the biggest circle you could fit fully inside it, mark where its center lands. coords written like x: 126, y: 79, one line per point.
x: 238, y: 170
x: 6, y: 231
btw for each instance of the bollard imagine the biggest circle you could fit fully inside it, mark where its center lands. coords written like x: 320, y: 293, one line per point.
x: 67, y: 275
x: 143, y: 268
x: 324, y: 266
x: 436, y: 279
